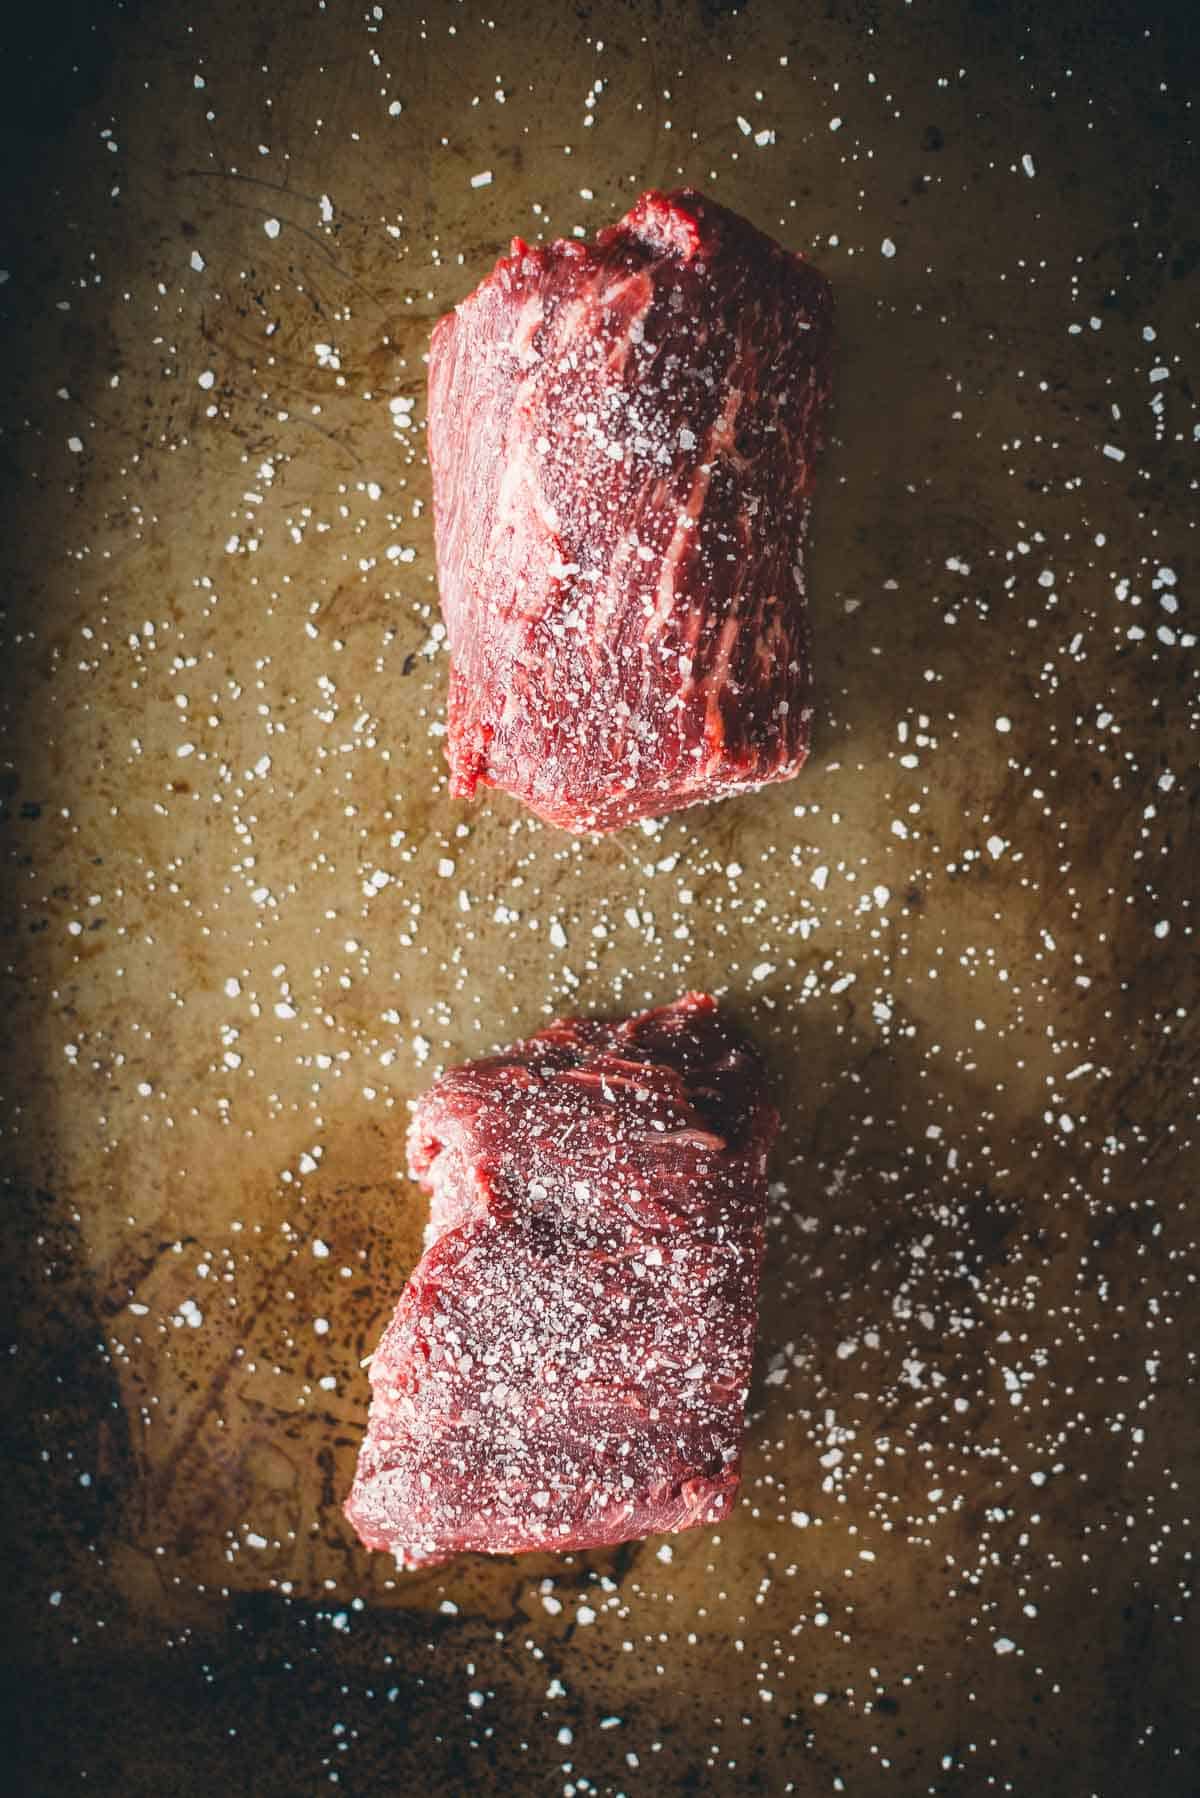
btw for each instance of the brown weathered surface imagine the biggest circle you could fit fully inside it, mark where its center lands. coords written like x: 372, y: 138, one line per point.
x: 942, y: 1244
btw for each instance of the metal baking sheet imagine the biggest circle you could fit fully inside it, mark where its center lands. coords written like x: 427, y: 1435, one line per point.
x: 246, y: 924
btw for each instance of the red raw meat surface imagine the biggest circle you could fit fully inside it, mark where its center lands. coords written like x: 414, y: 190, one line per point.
x: 568, y: 1364
x: 622, y: 436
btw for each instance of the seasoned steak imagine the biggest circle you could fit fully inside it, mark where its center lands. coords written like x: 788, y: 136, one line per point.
x: 622, y: 436
x: 567, y: 1366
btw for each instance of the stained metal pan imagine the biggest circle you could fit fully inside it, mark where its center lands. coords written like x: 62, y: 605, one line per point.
x: 245, y: 922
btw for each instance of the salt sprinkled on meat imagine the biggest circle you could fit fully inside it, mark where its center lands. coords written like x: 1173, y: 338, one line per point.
x: 569, y: 1362
x: 622, y: 438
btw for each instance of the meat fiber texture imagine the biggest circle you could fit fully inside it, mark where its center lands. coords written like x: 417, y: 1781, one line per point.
x: 568, y: 1364
x: 622, y: 436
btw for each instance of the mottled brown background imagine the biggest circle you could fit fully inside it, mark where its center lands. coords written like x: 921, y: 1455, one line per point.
x: 963, y: 1561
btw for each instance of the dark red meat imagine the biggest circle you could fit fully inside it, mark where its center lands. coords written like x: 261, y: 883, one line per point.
x: 568, y: 1364
x: 622, y: 437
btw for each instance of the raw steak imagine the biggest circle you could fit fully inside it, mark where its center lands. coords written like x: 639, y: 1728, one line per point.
x: 622, y: 436
x: 568, y: 1364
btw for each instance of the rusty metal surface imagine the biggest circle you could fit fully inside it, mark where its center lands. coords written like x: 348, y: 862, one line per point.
x: 244, y: 924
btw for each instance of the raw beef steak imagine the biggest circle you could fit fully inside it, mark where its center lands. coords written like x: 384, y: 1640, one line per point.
x: 568, y: 1364
x: 622, y: 436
